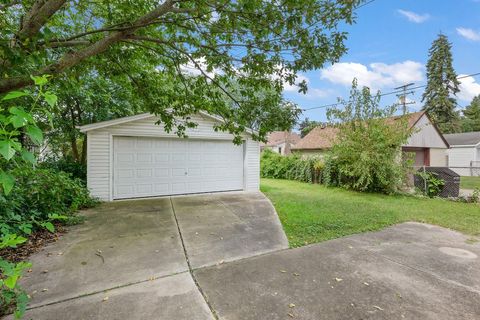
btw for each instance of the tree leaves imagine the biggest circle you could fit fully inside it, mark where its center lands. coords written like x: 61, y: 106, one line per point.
x: 50, y: 98
x: 34, y: 133
x: 227, y: 58
x: 19, y: 117
x: 7, y: 181
x: 8, y: 148
x: 14, y: 95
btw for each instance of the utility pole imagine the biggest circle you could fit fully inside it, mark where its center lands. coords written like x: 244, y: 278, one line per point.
x: 403, y: 96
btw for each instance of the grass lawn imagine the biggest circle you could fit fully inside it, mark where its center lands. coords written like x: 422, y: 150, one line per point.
x: 469, y: 182
x: 313, y: 213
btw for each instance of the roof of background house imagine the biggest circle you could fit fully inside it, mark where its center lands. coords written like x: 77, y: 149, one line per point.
x: 279, y: 137
x: 319, y: 138
x: 324, y: 137
x: 466, y: 138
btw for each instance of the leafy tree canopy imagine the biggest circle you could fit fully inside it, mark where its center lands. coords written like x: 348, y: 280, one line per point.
x: 471, y: 120
x: 442, y: 86
x: 181, y: 56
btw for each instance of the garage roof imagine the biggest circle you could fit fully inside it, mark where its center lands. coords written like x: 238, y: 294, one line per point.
x: 463, y: 139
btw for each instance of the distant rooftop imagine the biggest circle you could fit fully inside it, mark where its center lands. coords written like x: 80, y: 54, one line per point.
x: 466, y: 138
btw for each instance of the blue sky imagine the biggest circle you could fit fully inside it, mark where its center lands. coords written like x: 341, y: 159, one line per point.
x: 388, y: 47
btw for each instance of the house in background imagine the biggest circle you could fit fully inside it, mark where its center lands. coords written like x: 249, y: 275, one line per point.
x: 319, y: 140
x: 281, y: 142
x: 464, y: 153
x: 426, y: 142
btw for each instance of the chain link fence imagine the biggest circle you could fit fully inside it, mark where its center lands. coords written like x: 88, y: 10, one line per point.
x: 452, y: 177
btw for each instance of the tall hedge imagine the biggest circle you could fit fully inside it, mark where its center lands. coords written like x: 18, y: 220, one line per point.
x: 292, y: 167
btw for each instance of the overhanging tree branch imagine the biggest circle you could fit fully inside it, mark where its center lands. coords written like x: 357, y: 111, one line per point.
x: 72, y: 58
x: 38, y: 15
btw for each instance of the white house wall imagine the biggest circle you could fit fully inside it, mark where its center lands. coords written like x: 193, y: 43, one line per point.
x: 461, y: 157
x: 100, y: 145
x: 425, y: 135
x: 252, y: 165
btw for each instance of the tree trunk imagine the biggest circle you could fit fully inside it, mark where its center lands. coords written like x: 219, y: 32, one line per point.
x: 84, y: 150
x: 73, y: 137
x: 73, y: 142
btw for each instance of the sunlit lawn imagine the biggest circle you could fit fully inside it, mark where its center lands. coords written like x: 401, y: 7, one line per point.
x: 314, y: 213
x: 469, y: 182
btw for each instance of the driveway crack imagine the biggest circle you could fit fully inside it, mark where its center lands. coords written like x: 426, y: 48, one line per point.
x: 190, y: 269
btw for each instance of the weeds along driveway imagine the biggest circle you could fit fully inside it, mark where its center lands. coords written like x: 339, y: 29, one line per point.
x: 132, y: 259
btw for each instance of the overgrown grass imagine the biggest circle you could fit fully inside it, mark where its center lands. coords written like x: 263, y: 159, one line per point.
x: 312, y: 213
x: 469, y: 182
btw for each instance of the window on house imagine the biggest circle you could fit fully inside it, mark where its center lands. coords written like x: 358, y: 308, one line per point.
x: 279, y: 149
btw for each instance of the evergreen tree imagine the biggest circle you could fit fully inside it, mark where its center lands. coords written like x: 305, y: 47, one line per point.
x: 471, y: 122
x: 442, y: 86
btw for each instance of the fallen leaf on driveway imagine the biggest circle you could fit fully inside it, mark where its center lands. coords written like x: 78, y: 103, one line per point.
x: 283, y: 271
x: 44, y: 290
x: 366, y: 283
x: 378, y: 308
x: 105, y: 299
x: 338, y: 279
x: 291, y: 305
x: 296, y: 274
x: 291, y: 315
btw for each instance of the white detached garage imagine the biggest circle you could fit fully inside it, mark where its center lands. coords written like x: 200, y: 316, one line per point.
x: 132, y: 157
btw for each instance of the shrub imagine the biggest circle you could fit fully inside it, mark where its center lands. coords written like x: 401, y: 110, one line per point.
x: 12, y: 296
x: 68, y: 165
x: 292, y: 167
x: 38, y: 197
x: 433, y: 184
x: 367, y: 149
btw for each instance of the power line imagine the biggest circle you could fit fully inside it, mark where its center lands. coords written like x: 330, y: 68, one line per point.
x: 388, y: 93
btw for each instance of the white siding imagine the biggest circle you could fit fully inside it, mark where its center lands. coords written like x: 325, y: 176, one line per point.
x: 461, y: 157
x: 438, y: 157
x: 425, y: 135
x: 252, y: 165
x: 98, y: 164
x: 99, y: 157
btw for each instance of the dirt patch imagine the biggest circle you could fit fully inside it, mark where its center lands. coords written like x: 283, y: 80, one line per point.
x: 36, y: 241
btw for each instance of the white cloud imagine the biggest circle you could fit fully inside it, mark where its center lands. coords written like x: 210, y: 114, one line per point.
x: 311, y: 92
x: 379, y: 75
x: 414, y: 17
x: 469, y: 34
x: 469, y: 88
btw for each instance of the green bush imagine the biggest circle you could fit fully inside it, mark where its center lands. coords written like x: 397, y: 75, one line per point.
x: 434, y: 184
x: 39, y: 197
x: 292, y: 167
x: 12, y: 297
x: 68, y: 165
x: 367, y: 150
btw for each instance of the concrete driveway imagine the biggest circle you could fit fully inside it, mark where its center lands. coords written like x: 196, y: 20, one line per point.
x: 132, y: 259
x: 224, y: 256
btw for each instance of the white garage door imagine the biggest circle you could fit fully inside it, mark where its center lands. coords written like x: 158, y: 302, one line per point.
x: 146, y: 167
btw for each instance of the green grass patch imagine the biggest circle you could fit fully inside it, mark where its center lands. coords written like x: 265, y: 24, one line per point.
x: 469, y: 182
x: 313, y: 213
